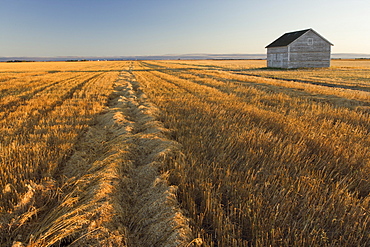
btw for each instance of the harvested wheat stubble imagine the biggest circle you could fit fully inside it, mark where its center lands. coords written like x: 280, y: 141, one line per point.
x: 292, y: 171
x: 115, y: 194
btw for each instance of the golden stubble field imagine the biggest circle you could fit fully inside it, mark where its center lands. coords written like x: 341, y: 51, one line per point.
x: 184, y: 153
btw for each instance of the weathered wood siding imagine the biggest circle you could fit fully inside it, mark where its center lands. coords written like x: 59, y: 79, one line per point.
x: 277, y: 57
x: 309, y: 50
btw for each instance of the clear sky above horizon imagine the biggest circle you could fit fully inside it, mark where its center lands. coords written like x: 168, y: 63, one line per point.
x: 160, y: 27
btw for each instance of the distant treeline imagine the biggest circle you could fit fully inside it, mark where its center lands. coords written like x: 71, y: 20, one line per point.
x: 28, y: 61
x: 359, y: 58
x: 72, y: 60
x: 19, y: 61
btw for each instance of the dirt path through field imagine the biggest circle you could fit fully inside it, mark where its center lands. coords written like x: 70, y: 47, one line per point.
x: 114, y: 187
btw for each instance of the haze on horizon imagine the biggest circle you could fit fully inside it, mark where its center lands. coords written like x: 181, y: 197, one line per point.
x: 159, y: 27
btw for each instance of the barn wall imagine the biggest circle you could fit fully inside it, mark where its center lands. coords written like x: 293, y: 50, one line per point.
x: 277, y: 57
x: 309, y: 50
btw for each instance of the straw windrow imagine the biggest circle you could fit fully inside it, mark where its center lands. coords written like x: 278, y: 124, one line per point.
x: 113, y: 189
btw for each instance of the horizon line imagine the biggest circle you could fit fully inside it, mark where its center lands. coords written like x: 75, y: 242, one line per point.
x: 173, y: 56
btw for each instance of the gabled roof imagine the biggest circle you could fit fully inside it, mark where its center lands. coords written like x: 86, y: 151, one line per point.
x: 288, y: 38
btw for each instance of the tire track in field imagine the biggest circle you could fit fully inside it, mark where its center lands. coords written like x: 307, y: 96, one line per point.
x: 351, y: 103
x: 317, y: 83
x: 278, y: 123
x: 115, y: 186
x: 292, y: 92
x: 244, y: 72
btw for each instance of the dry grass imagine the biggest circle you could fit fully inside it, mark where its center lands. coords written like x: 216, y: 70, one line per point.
x: 267, y: 163
x: 44, y: 111
x: 80, y: 159
x: 253, y: 156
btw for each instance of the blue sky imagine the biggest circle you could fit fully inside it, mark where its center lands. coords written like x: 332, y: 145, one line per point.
x: 160, y: 27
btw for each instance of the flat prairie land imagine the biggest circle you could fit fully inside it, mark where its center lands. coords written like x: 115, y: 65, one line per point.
x: 184, y: 153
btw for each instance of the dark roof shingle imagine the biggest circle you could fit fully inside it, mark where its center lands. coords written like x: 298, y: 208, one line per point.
x: 287, y: 38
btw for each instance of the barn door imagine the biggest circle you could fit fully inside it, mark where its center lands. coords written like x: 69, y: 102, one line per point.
x: 280, y: 59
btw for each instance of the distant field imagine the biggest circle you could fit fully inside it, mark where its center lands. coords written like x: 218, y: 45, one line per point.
x: 184, y: 153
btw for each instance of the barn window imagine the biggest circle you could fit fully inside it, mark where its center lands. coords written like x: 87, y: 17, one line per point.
x: 310, y: 41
